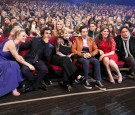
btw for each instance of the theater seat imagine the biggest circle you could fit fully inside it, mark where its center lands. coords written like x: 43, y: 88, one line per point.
x: 55, y: 68
x: 120, y: 63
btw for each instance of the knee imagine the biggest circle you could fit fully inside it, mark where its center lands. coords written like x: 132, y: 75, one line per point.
x: 85, y: 63
x: 96, y: 62
x: 25, y: 69
x: 106, y: 61
x: 42, y: 69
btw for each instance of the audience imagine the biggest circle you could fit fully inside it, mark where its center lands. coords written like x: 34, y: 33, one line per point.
x: 90, y: 22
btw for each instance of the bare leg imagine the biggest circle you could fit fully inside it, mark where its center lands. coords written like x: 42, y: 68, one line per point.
x: 114, y: 66
x: 106, y: 63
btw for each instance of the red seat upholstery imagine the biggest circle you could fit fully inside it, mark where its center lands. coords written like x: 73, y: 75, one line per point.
x: 52, y: 66
x: 23, y: 53
x: 2, y: 39
x: 54, y: 39
x: 120, y: 63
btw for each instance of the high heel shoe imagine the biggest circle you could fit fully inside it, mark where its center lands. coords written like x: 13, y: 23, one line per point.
x: 112, y: 81
x: 119, y: 80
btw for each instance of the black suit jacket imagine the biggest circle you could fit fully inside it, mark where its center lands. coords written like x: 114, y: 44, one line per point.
x: 120, y: 48
x: 36, y: 47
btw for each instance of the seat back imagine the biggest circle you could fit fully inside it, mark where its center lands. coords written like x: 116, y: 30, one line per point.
x: 54, y: 39
x: 23, y: 53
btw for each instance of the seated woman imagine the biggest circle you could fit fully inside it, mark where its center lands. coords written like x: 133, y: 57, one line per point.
x: 10, y: 73
x: 63, y: 58
x: 107, y: 46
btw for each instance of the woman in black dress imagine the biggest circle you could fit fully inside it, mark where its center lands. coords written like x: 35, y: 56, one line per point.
x: 63, y: 58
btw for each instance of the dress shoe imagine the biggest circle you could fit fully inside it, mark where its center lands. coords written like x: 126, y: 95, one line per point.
x: 44, y: 87
x: 100, y: 85
x: 68, y: 87
x: 86, y: 84
x: 28, y: 89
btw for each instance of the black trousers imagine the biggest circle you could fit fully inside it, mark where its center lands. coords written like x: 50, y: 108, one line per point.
x: 69, y: 68
x: 131, y: 62
x: 40, y: 66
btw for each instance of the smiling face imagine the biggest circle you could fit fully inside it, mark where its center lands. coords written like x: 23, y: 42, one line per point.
x: 84, y: 33
x: 21, y: 36
x: 47, y: 34
x: 105, y: 33
x: 59, y: 25
x: 66, y: 34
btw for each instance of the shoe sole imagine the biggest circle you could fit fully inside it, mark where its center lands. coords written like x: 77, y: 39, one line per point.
x: 87, y: 87
x: 103, y: 89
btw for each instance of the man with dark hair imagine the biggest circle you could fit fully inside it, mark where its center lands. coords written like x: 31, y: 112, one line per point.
x: 92, y: 30
x: 125, y: 47
x: 38, y: 56
x: 86, y: 49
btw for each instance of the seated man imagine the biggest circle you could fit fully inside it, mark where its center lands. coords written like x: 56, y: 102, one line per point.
x: 86, y: 49
x: 125, y: 45
x: 38, y: 56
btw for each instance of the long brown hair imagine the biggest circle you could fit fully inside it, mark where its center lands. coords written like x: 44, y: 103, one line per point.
x: 100, y: 38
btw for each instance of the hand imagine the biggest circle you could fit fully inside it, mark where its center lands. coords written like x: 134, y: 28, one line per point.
x: 85, y: 56
x: 70, y: 55
x: 31, y: 67
x: 88, y: 55
x: 101, y: 52
x: 101, y: 57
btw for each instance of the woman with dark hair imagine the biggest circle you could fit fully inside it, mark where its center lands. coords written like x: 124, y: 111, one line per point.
x: 112, y: 30
x: 107, y: 47
x: 31, y: 31
x: 98, y: 24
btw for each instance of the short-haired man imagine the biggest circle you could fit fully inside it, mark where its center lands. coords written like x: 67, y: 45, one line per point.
x: 38, y: 56
x: 86, y: 49
x: 92, y: 30
x: 125, y: 44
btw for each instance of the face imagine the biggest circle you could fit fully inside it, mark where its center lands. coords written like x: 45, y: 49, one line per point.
x: 42, y: 21
x: 53, y: 21
x: 92, y: 27
x: 13, y: 21
x: 125, y: 33
x: 7, y: 21
x: 59, y: 25
x: 66, y: 34
x: 47, y: 34
x: 105, y: 33
x: 67, y: 24
x: 110, y: 28
x: 84, y: 33
x: 118, y: 21
x: 22, y: 37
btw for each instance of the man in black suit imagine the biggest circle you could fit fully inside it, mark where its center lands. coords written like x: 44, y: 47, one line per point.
x: 125, y: 47
x: 38, y: 56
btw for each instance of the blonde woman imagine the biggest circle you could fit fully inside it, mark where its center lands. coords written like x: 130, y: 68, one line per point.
x: 10, y: 74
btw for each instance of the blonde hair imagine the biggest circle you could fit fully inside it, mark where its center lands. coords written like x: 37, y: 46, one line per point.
x: 15, y: 32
